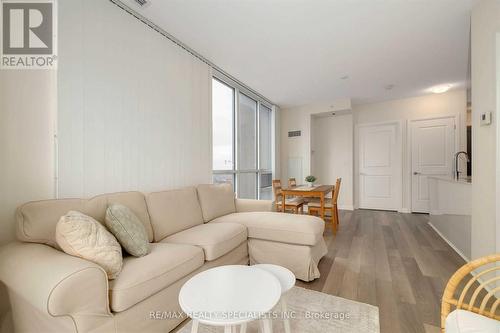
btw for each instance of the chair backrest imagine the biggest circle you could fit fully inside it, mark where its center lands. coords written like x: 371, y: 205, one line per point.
x: 277, y: 189
x: 336, y: 191
x: 474, y: 287
x: 292, y: 182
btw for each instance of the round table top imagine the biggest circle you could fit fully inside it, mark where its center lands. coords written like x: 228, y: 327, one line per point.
x: 284, y: 275
x: 229, y: 295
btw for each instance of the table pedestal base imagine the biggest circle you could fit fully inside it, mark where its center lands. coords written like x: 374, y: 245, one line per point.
x: 227, y: 329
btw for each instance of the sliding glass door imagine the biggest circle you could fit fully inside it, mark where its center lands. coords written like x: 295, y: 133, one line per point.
x: 242, y: 144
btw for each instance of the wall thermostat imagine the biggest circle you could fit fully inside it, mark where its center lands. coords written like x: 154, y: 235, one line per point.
x: 485, y: 118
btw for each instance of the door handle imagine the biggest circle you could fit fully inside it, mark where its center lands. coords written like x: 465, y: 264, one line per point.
x: 416, y: 173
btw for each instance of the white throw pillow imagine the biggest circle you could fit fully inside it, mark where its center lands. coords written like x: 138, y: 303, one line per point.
x: 81, y: 236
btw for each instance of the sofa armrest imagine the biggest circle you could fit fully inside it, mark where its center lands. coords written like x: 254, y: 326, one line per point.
x: 251, y: 205
x: 53, y: 281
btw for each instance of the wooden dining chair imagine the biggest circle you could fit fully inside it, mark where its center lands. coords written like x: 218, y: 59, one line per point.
x: 330, y: 205
x: 292, y: 182
x: 296, y: 205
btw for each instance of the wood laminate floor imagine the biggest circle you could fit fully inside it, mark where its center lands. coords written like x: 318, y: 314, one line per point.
x: 394, y: 261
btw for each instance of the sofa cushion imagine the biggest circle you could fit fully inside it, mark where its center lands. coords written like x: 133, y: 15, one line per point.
x: 37, y: 220
x: 128, y: 230
x: 135, y: 201
x: 215, y: 239
x: 144, y: 276
x: 279, y: 227
x: 252, y: 205
x: 461, y: 321
x: 173, y: 211
x: 216, y: 200
x: 81, y: 236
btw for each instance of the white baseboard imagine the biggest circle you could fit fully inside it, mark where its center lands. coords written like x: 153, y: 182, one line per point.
x: 488, y: 288
x: 464, y: 257
x: 346, y: 207
x: 404, y: 210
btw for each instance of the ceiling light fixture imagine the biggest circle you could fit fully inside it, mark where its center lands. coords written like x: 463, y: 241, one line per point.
x: 441, y: 88
x: 345, y: 77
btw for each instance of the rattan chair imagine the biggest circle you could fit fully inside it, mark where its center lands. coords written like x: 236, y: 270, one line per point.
x: 474, y: 287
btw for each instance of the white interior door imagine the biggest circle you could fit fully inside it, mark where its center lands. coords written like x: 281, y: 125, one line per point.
x: 432, y: 148
x: 380, y: 167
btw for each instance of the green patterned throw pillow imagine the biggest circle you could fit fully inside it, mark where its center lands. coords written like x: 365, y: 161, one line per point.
x: 128, y: 229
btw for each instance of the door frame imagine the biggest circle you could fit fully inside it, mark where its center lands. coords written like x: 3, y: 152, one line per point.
x: 399, y: 159
x: 409, y: 145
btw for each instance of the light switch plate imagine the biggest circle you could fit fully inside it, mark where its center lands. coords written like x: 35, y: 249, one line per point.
x: 485, y: 119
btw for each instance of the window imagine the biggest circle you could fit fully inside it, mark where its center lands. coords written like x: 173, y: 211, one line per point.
x: 265, y: 153
x: 222, y: 126
x: 242, y: 141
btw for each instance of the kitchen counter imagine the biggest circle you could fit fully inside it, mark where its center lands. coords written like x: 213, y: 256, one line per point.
x: 467, y: 180
x: 450, y: 211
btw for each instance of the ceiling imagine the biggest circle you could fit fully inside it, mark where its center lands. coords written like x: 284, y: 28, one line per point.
x: 295, y: 52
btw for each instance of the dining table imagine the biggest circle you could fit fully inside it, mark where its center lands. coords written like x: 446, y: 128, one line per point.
x: 308, y: 191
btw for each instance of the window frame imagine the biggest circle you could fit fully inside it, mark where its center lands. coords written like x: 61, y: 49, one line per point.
x: 235, y: 172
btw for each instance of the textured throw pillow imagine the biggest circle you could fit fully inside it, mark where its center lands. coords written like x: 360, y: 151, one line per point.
x: 128, y: 229
x: 81, y: 236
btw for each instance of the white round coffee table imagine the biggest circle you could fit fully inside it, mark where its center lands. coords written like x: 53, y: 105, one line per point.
x: 287, y: 281
x: 230, y: 296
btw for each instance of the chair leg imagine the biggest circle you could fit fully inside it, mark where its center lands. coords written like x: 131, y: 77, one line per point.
x: 335, y: 221
x: 337, y: 213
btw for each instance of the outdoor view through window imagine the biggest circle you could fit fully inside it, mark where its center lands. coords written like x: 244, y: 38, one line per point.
x: 242, y: 141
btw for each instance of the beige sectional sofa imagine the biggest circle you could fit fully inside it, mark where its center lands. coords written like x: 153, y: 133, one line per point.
x: 190, y: 230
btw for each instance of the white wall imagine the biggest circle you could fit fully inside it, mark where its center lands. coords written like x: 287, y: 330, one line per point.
x: 332, y: 157
x: 485, y: 139
x: 450, y: 103
x: 134, y: 108
x: 27, y: 116
x: 299, y: 148
x: 27, y: 119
